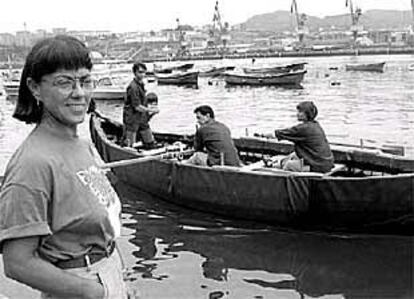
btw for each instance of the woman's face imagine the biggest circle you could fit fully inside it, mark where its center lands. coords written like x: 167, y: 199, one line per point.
x: 202, y: 119
x: 301, y: 116
x: 66, y: 94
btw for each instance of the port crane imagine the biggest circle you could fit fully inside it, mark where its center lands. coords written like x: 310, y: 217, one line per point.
x: 183, y: 44
x: 412, y: 7
x: 300, y: 21
x: 218, y: 33
x: 355, y: 15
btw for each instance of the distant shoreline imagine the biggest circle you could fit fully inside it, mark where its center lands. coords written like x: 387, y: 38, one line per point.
x: 299, y: 53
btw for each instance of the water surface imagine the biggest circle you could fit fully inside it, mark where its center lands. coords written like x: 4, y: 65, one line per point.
x: 172, y: 252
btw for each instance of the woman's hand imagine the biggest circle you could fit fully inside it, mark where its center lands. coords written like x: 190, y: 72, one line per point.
x: 22, y: 263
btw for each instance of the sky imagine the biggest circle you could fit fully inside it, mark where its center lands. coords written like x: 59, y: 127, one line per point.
x: 140, y: 15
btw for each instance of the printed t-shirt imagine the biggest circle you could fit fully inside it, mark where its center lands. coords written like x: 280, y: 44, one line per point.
x: 53, y: 189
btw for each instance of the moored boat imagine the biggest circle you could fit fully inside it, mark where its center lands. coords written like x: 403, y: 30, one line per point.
x: 261, y: 79
x: 11, y: 83
x: 168, y: 70
x: 366, y: 67
x: 179, y: 78
x: 276, y: 69
x: 11, y: 89
x: 110, y: 87
x: 216, y: 71
x: 368, y: 191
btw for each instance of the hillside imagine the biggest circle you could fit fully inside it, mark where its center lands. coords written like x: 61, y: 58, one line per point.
x: 280, y: 21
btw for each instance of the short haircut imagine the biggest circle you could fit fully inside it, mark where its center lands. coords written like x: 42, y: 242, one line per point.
x: 152, y: 98
x: 137, y: 65
x: 309, y: 108
x: 46, y: 57
x: 204, y: 110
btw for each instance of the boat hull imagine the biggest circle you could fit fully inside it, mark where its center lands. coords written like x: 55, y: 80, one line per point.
x: 189, y: 78
x: 276, y: 69
x: 292, y: 78
x: 371, y: 67
x: 108, y: 94
x: 298, y: 200
x: 216, y: 71
x: 11, y: 88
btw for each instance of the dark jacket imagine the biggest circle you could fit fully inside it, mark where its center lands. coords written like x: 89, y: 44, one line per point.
x: 134, y: 97
x: 310, y: 144
x: 215, y: 138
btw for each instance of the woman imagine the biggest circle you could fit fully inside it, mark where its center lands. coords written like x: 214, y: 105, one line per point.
x: 59, y: 215
x: 312, y: 150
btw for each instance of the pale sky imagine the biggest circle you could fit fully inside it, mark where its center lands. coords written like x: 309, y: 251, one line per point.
x: 145, y: 15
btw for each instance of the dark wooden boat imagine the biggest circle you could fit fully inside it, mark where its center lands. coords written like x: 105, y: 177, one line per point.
x: 187, y: 78
x: 261, y: 79
x: 216, y: 71
x: 367, y: 67
x: 276, y: 69
x: 168, y: 70
x: 368, y: 191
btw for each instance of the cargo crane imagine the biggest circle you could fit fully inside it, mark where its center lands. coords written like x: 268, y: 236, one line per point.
x: 219, y: 32
x: 183, y: 44
x: 300, y: 21
x: 355, y: 15
x: 412, y: 8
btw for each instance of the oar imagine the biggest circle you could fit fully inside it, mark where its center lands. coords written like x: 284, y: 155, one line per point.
x: 127, y: 162
x: 390, y: 149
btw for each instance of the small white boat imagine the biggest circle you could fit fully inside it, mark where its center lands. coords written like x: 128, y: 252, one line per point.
x: 11, y: 89
x: 11, y: 83
x: 111, y: 87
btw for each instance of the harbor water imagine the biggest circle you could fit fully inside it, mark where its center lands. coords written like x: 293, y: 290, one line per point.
x: 172, y: 252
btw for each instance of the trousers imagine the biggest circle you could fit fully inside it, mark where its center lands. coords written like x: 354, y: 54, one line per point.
x: 107, y: 271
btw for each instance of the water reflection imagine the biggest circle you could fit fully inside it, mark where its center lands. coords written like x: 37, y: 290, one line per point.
x: 217, y: 256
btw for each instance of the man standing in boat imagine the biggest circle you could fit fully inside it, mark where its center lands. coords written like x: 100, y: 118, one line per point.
x: 136, y: 110
x: 212, y: 142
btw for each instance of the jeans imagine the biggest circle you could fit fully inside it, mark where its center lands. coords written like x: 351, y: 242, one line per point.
x: 107, y: 271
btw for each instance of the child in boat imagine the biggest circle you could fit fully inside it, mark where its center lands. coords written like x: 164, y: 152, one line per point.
x: 152, y: 102
x: 312, y: 150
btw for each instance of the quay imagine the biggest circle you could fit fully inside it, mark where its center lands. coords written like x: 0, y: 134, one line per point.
x: 362, y: 51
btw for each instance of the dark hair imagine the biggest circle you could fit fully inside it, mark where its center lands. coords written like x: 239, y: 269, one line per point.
x: 152, y: 97
x: 309, y: 108
x: 46, y: 57
x: 137, y: 65
x: 204, y: 110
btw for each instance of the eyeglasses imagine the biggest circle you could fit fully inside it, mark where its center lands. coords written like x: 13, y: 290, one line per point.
x: 67, y: 84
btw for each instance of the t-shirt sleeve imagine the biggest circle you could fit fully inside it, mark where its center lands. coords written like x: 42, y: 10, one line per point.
x: 23, y: 213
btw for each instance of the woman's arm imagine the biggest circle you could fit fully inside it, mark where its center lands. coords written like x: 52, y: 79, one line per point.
x: 294, y: 134
x: 23, y: 264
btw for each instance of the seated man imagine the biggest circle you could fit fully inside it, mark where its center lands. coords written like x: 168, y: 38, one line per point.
x: 312, y: 150
x: 213, y: 142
